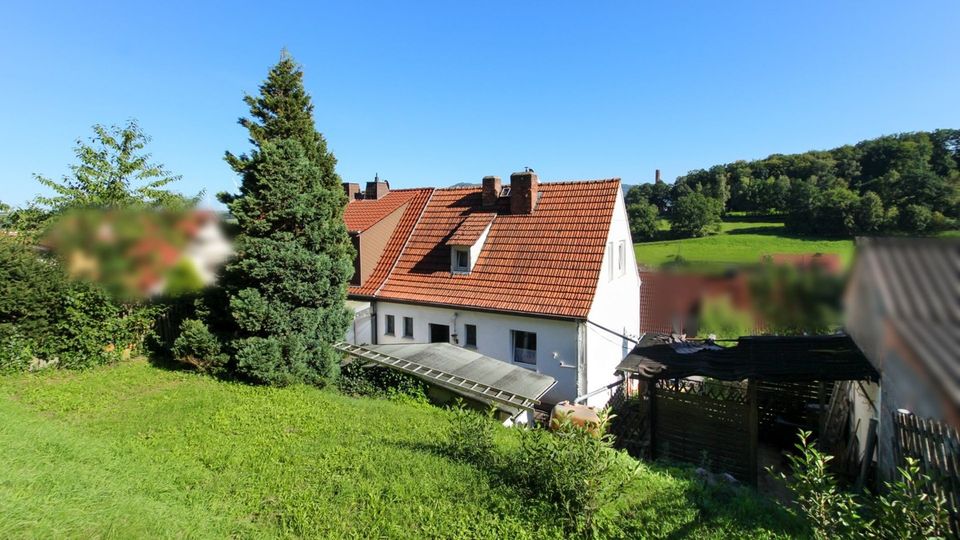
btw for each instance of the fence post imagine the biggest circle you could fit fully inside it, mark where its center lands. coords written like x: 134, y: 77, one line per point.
x: 753, y: 427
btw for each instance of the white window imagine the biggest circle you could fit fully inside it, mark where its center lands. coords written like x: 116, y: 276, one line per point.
x: 461, y: 260
x: 524, y: 347
x: 622, y: 257
x: 610, y: 260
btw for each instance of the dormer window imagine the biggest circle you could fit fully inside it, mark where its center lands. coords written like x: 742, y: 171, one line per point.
x: 461, y: 259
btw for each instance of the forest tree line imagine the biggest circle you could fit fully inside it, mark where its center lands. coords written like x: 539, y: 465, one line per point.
x: 907, y: 183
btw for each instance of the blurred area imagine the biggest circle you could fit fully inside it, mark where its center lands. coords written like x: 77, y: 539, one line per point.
x: 140, y: 253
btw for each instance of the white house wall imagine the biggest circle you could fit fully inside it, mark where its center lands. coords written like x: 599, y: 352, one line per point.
x: 556, y: 339
x: 616, y: 307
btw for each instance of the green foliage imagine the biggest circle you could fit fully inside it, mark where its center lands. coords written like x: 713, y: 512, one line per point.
x: 797, y: 301
x: 16, y: 352
x: 870, y: 215
x: 198, y: 347
x: 829, y: 511
x: 915, y: 218
x: 644, y: 220
x: 471, y: 435
x: 719, y: 317
x: 374, y: 381
x: 907, y: 509
x: 695, y: 214
x: 575, y: 469
x: 909, y: 168
x: 134, y: 451
x: 112, y: 171
x: 183, y: 279
x: 287, y: 284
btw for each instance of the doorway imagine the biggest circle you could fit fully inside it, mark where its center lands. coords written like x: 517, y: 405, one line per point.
x: 439, y: 333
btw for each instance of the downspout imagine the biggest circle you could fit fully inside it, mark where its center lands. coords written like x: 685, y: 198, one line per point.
x: 581, y: 357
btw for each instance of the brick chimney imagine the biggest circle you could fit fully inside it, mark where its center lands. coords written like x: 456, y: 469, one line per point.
x: 352, y: 190
x: 523, y: 192
x: 491, y: 190
x: 377, y: 189
x: 657, y: 177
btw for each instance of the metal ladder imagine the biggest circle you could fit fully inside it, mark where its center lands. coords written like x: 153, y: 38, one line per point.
x: 442, y: 378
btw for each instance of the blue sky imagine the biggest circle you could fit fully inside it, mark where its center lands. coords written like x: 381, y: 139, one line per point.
x: 435, y: 94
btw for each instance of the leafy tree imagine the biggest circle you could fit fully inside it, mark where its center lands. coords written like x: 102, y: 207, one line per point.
x: 112, y: 171
x: 915, y: 218
x: 695, y: 214
x: 835, y: 212
x: 869, y: 213
x: 287, y: 285
x: 643, y: 220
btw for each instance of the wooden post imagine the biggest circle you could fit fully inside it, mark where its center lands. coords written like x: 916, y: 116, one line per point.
x: 867, y: 455
x: 652, y: 416
x: 754, y: 428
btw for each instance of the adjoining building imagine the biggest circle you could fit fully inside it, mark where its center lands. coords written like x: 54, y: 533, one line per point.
x: 539, y: 275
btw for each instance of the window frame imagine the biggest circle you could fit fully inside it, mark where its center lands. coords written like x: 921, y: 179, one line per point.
x: 622, y: 257
x: 457, y: 252
x: 514, y: 335
x: 406, y: 321
x: 389, y: 325
x: 467, y: 328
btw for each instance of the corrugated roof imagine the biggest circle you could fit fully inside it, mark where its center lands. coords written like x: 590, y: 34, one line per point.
x: 918, y: 280
x: 547, y: 262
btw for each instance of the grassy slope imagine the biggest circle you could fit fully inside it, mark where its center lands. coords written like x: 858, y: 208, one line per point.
x: 740, y: 242
x: 137, y: 451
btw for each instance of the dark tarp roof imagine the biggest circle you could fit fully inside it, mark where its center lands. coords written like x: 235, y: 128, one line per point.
x: 767, y: 358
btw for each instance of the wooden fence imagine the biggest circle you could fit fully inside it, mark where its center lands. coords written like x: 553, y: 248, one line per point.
x: 709, y: 423
x: 937, y: 447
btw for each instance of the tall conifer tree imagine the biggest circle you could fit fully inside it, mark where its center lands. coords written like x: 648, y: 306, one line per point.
x: 287, y: 284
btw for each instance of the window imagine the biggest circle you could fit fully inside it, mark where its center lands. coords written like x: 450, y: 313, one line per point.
x: 524, y: 347
x: 408, y: 327
x: 390, y: 329
x: 471, y: 335
x: 622, y: 257
x: 461, y: 260
x: 610, y: 261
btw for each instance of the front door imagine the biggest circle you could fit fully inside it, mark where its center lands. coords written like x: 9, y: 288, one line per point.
x: 439, y: 333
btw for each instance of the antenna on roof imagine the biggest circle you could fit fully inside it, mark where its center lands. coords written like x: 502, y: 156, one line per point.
x: 528, y: 169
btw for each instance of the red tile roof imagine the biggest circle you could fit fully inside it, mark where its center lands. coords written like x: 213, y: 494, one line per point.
x: 547, y: 262
x: 362, y: 214
x: 471, y: 228
x: 418, y: 199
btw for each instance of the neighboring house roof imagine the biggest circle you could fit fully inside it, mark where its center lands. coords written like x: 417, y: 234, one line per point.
x: 360, y: 215
x: 918, y: 280
x: 670, y: 301
x: 546, y: 262
x: 471, y: 229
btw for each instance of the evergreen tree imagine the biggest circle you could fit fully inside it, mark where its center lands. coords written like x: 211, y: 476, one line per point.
x: 287, y: 284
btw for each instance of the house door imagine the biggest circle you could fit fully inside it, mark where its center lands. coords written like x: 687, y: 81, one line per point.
x: 439, y: 333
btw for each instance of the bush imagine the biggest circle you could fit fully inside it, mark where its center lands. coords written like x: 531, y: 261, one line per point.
x: 575, y: 469
x: 695, y: 214
x: 359, y: 380
x: 870, y: 213
x: 643, y: 218
x: 835, y: 212
x: 908, y: 510
x: 16, y: 353
x: 471, y: 435
x: 915, y: 218
x: 198, y: 347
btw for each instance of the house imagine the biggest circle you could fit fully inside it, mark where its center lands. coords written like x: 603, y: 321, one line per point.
x: 903, y: 312
x: 539, y: 275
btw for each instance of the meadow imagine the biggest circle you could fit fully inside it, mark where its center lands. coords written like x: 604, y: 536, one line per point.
x: 134, y: 450
x: 740, y: 240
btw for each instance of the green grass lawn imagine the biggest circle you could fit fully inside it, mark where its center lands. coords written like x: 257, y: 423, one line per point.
x: 741, y: 240
x: 133, y: 451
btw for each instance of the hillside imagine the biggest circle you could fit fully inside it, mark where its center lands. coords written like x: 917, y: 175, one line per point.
x: 137, y: 451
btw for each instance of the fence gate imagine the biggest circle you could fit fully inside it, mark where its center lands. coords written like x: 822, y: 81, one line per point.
x: 710, y: 423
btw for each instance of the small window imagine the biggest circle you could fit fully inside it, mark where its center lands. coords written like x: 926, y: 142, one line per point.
x: 471, y: 335
x: 610, y: 261
x: 390, y: 329
x: 461, y: 260
x: 408, y: 327
x: 622, y: 257
x: 524, y: 347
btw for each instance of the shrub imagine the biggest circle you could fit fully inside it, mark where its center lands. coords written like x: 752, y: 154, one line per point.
x: 359, y: 380
x: 197, y: 346
x: 835, y: 211
x: 915, y: 218
x: 16, y: 353
x: 908, y: 510
x: 870, y: 213
x: 695, y: 214
x: 471, y: 435
x: 575, y: 469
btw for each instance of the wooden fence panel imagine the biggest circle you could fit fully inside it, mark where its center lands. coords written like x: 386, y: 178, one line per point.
x: 937, y: 447
x: 631, y: 424
x: 706, y: 423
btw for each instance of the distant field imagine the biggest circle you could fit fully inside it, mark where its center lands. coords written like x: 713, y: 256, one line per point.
x: 741, y: 240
